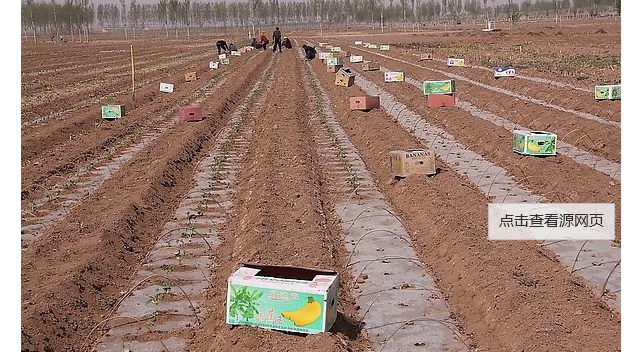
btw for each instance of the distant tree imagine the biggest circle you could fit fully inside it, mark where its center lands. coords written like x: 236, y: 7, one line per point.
x: 161, y: 14
x: 174, y: 14
x: 123, y: 15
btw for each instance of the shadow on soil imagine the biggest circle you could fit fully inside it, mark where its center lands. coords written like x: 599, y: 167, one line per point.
x: 347, y: 326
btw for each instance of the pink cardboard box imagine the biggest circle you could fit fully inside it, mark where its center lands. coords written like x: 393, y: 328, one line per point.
x: 440, y: 100
x: 190, y: 113
x: 364, y: 103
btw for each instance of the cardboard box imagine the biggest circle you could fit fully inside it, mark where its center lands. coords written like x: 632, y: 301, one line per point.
x: 190, y: 76
x: 166, y: 87
x: 342, y: 54
x: 222, y: 56
x: 214, y: 65
x: 235, y: 53
x: 372, y: 46
x: 364, y: 103
x: 540, y: 143
x: 440, y: 100
x: 365, y: 45
x: 225, y: 61
x: 439, y: 87
x: 393, y: 76
x: 322, y: 44
x: 370, y: 66
x: 425, y: 57
x: 287, y: 298
x: 384, y: 47
x: 325, y: 56
x: 333, y: 61
x: 190, y: 113
x: 499, y: 72
x: 356, y: 58
x: 335, y: 49
x: 333, y: 68
x: 344, y: 77
x: 611, y: 92
x: 113, y: 111
x: 455, y: 62
x: 404, y: 163
x: 358, y: 42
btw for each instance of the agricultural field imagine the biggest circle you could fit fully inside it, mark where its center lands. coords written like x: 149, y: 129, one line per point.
x: 131, y: 227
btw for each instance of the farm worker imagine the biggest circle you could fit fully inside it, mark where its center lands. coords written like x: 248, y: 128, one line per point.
x: 264, y: 41
x: 276, y: 36
x: 310, y: 53
x: 286, y: 43
x: 221, y: 44
x: 232, y: 47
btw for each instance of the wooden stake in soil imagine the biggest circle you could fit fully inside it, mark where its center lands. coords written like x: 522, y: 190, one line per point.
x: 131, y: 47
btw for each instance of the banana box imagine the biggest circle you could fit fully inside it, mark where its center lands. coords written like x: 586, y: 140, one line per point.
x: 499, y: 72
x: 372, y: 46
x: 404, y: 163
x: 393, y: 76
x: 455, y: 62
x: 225, y: 61
x: 356, y: 58
x: 534, y: 142
x: 325, y: 56
x: 213, y: 65
x: 358, y: 42
x: 439, y: 87
x: 113, y: 111
x: 611, y: 92
x: 335, y: 49
x: 222, y: 56
x: 287, y: 298
x: 333, y: 61
x: 384, y: 47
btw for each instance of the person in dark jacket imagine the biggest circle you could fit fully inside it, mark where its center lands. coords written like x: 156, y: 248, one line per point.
x: 286, y: 43
x: 276, y: 36
x: 222, y: 45
x: 310, y: 52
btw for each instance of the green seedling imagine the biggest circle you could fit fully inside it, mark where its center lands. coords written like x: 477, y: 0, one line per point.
x: 168, y: 268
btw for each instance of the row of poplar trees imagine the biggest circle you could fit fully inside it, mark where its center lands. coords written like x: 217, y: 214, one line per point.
x: 77, y: 18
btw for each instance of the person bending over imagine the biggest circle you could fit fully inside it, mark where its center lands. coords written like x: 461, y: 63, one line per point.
x: 310, y: 52
x: 222, y: 45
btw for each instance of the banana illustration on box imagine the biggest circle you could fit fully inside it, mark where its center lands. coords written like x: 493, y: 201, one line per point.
x: 306, y: 315
x: 534, y: 147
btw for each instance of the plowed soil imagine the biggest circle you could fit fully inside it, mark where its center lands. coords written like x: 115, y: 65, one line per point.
x: 503, y: 295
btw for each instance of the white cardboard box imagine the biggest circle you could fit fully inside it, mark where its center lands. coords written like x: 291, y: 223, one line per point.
x: 166, y: 87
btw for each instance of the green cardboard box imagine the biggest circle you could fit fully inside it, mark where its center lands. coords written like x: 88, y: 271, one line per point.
x: 616, y: 91
x: 534, y: 142
x: 608, y: 91
x: 284, y: 298
x: 439, y: 87
x: 225, y: 61
x: 334, y: 61
x: 113, y: 111
x: 384, y: 47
